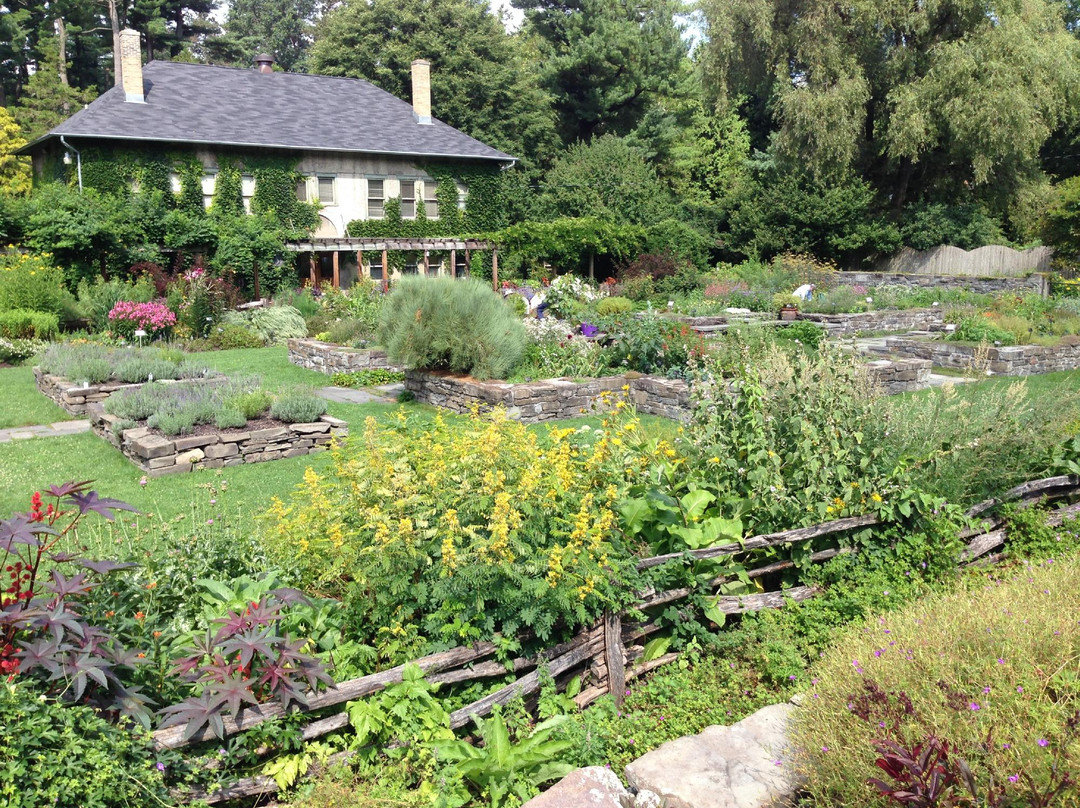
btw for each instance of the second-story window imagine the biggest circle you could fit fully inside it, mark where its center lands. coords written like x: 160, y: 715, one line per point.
x: 326, y: 190
x: 431, y: 204
x: 408, y: 199
x: 375, y: 199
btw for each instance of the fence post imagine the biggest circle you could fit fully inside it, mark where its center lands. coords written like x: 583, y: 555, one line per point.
x: 613, y: 657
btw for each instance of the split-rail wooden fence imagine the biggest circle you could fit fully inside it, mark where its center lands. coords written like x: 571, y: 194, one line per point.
x: 609, y: 653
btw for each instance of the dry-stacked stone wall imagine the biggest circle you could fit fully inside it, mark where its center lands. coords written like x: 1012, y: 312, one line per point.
x: 869, y: 322
x: 158, y: 455
x: 556, y: 399
x: 329, y: 359
x: 1036, y: 282
x: 900, y: 375
x: 76, y: 398
x: 549, y: 399
x: 1009, y: 360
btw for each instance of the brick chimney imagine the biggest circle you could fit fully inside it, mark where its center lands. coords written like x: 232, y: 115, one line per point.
x: 421, y: 90
x: 131, y: 66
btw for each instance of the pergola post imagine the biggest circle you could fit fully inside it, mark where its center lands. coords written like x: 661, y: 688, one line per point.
x: 495, y: 269
x: 385, y: 272
x: 453, y: 263
x: 360, y: 264
x: 337, y: 270
x: 311, y: 267
x: 427, y: 265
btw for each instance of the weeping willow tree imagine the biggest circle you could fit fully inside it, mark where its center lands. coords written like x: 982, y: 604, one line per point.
x: 949, y: 95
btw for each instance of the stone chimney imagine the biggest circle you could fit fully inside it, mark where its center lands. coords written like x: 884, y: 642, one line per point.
x: 421, y: 90
x: 131, y: 66
x: 264, y: 62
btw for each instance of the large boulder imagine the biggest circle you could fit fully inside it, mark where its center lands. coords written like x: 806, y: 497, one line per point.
x: 591, y: 787
x: 746, y: 765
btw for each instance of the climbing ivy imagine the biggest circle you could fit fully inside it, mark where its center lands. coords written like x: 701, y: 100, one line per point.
x: 228, y: 190
x: 275, y: 194
x: 190, y: 199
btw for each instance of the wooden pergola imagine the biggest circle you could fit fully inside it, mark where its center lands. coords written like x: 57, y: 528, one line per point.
x: 336, y: 246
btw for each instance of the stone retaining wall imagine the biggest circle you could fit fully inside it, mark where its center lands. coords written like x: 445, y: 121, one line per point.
x: 549, y: 399
x: 877, y: 321
x: 900, y: 375
x: 1010, y: 360
x: 556, y: 399
x: 328, y: 358
x: 77, y: 398
x: 1036, y: 282
x: 157, y: 455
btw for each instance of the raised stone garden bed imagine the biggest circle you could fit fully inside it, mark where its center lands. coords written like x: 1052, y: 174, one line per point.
x: 1008, y: 360
x: 158, y: 455
x: 556, y: 399
x: 328, y: 358
x: 76, y: 398
x: 549, y: 399
x: 877, y: 321
x: 900, y: 375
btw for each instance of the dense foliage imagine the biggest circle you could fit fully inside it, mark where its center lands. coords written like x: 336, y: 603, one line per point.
x: 445, y: 532
x: 447, y: 324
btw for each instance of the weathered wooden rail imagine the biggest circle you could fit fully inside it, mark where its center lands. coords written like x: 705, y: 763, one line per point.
x: 610, y: 653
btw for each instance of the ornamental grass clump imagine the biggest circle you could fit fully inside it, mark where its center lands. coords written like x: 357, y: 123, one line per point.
x: 440, y: 532
x: 988, y: 675
x: 447, y: 324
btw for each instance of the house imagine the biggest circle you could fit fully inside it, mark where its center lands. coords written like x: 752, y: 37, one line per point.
x: 355, y: 146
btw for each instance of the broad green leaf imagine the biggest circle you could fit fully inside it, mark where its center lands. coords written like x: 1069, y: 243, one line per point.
x: 714, y: 614
x: 695, y: 502
x: 655, y: 648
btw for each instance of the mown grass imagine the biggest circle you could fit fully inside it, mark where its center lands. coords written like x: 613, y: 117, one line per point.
x: 32, y: 465
x: 20, y: 402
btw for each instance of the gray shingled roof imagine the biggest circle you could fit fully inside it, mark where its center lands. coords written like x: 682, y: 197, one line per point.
x: 190, y: 103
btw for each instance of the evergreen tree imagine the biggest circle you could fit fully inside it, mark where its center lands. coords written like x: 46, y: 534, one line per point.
x: 607, y: 62
x: 282, y: 28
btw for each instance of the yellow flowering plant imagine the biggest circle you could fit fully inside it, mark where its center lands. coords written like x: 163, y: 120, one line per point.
x: 455, y: 529
x: 33, y: 282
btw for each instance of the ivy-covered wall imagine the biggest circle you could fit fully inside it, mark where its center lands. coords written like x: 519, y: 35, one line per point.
x: 485, y: 211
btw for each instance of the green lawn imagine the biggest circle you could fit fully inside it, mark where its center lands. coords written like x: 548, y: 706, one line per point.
x: 30, y: 465
x: 20, y: 402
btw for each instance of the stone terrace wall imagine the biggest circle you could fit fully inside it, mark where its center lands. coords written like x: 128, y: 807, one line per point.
x: 549, y: 399
x: 876, y: 321
x: 76, y: 398
x: 900, y: 375
x: 1009, y: 360
x: 556, y: 399
x: 1031, y: 283
x: 328, y: 358
x: 157, y: 455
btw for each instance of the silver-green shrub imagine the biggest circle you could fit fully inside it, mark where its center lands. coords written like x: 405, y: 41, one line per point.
x: 456, y: 325
x: 297, y: 407
x: 139, y: 369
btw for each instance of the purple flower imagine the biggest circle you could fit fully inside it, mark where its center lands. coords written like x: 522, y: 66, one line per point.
x: 1043, y: 742
x: 974, y: 706
x: 1014, y: 778
x: 160, y: 766
x: 1001, y: 661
